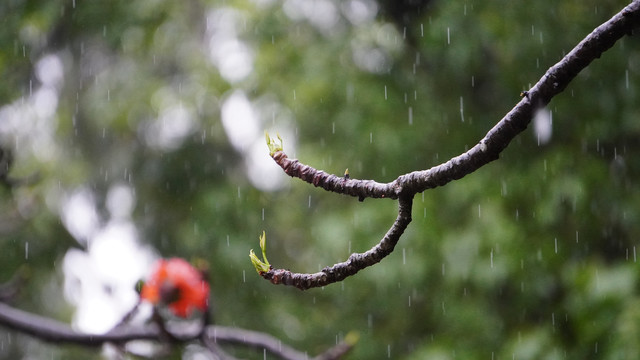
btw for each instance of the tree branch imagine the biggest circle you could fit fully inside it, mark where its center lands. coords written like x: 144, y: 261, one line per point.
x: 50, y: 330
x: 356, y: 261
x: 405, y: 187
x: 554, y: 81
x: 340, y: 185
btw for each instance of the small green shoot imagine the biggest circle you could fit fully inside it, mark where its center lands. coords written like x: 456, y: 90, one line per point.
x: 272, y: 144
x: 261, y: 266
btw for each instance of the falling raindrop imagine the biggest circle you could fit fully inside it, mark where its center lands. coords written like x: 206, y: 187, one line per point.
x: 404, y: 256
x: 422, y: 30
x: 555, y: 240
x: 244, y: 277
x: 626, y: 79
x: 448, y: 36
x: 461, y: 109
x: 410, y: 115
x: 26, y: 250
x: 227, y: 240
x: 262, y: 214
x: 385, y: 92
x: 309, y: 201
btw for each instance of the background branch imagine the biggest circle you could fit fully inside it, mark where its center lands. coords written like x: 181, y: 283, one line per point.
x: 50, y: 330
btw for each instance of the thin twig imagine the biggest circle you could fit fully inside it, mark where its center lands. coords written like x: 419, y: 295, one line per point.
x: 356, y: 261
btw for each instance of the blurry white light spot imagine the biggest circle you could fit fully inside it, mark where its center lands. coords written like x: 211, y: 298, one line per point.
x: 120, y: 201
x: 542, y: 126
x: 232, y: 57
x: 322, y: 14
x: 370, y: 59
x: 45, y: 102
x: 239, y: 121
x: 170, y: 129
x: 79, y: 215
x: 100, y: 282
x: 49, y: 71
x: 359, y: 11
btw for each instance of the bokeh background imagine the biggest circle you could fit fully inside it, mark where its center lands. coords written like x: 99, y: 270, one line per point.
x: 135, y: 130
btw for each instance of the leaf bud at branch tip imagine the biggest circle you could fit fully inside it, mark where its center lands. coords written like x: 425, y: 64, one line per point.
x: 261, y: 266
x: 274, y: 146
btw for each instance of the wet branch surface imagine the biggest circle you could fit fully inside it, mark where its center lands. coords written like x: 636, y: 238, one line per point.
x: 57, y: 332
x: 406, y: 186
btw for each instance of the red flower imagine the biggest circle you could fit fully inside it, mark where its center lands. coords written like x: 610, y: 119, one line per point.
x: 174, y: 282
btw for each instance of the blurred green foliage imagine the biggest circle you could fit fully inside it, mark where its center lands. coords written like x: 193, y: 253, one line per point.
x: 531, y: 257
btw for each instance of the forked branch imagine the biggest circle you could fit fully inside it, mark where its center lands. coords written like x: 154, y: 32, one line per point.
x: 405, y: 187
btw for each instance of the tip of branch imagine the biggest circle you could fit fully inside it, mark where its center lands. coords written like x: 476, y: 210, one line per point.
x: 274, y: 146
x: 261, y: 266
